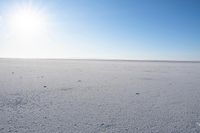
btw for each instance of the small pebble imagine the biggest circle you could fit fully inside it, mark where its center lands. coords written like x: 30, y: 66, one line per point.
x: 137, y: 93
x: 102, y: 124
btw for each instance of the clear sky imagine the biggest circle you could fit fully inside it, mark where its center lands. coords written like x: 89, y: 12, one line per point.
x: 105, y: 29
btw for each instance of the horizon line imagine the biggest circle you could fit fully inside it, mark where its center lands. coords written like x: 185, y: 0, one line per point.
x: 101, y: 59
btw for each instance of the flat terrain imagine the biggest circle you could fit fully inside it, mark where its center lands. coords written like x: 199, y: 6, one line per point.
x: 88, y: 96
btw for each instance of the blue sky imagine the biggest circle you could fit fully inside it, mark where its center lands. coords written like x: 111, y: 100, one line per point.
x: 107, y: 29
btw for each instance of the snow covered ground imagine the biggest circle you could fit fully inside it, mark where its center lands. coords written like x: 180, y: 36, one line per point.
x: 85, y: 96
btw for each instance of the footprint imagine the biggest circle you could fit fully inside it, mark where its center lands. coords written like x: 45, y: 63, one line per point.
x: 1, y: 129
x: 15, y: 101
x: 104, y: 127
x: 66, y: 89
x: 148, y: 71
x: 146, y: 78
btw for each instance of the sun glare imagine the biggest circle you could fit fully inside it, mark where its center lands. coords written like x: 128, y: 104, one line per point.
x: 27, y: 21
x: 28, y: 29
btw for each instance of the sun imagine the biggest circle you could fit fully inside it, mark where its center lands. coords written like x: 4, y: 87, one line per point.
x: 28, y: 27
x: 27, y: 21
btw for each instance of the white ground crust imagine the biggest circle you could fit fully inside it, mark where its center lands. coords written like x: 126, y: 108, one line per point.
x: 80, y: 96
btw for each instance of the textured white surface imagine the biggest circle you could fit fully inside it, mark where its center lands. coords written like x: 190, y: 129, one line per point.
x: 81, y: 96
